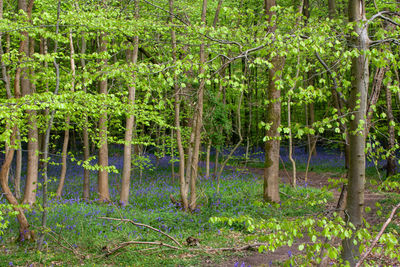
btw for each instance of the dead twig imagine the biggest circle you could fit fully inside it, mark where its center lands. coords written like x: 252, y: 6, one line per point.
x: 128, y: 243
x: 378, y: 236
x: 245, y: 247
x: 143, y: 225
x: 70, y: 247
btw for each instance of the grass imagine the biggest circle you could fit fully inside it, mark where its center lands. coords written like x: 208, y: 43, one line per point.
x: 76, y: 224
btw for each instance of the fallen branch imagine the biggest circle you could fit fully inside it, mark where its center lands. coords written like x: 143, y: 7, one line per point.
x: 143, y: 225
x: 157, y: 243
x: 71, y: 248
x: 246, y: 247
x: 378, y: 236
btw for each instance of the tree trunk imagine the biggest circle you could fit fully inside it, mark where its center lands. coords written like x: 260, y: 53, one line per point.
x: 273, y: 116
x: 391, y: 160
x: 332, y: 8
x: 182, y: 181
x: 24, y: 232
x: 130, y: 121
x: 103, y: 190
x: 24, y: 87
x: 67, y: 122
x: 208, y: 159
x: 312, y: 144
x: 358, y: 107
x: 294, y: 180
x: 18, y: 168
x: 198, y: 117
x: 86, y: 145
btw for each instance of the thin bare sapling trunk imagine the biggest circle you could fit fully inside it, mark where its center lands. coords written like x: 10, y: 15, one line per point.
x: 47, y: 138
x: 198, y: 117
x: 67, y: 122
x: 182, y: 181
x: 130, y: 121
x: 208, y: 159
x: 103, y: 189
x: 86, y: 145
x: 391, y: 159
x: 294, y: 180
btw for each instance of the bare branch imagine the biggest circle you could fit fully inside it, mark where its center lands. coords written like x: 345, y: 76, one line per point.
x: 143, y: 225
x: 378, y: 236
x: 381, y: 15
x: 390, y: 40
x: 156, y: 243
x: 335, y: 86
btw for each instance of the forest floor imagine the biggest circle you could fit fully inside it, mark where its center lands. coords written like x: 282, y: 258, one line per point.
x: 316, y: 180
x: 78, y: 229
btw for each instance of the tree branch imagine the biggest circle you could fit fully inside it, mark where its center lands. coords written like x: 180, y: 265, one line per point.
x: 378, y: 236
x: 380, y: 15
x: 143, y: 225
x: 335, y: 86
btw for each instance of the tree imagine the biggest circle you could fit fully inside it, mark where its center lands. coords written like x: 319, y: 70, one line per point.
x: 132, y: 55
x: 273, y: 116
x: 358, y: 108
x: 104, y: 194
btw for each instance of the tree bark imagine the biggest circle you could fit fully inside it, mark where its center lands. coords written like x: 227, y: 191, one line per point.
x: 86, y: 145
x: 182, y: 180
x: 24, y: 232
x: 332, y: 8
x: 198, y: 117
x: 103, y: 190
x: 391, y: 160
x: 273, y: 117
x: 208, y: 159
x: 130, y: 121
x: 357, y: 127
x: 23, y: 86
x: 67, y: 123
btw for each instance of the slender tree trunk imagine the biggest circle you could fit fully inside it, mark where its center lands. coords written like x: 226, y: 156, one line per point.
x: 199, y: 117
x: 130, y: 121
x: 103, y: 190
x: 24, y: 87
x: 47, y: 137
x: 4, y: 72
x: 208, y: 159
x: 182, y: 181
x: 358, y: 107
x: 43, y: 49
x: 18, y: 168
x: 216, y: 162
x: 172, y: 155
x: 86, y: 145
x: 374, y: 96
x: 313, y: 139
x: 7, y: 84
x: 67, y: 123
x: 272, y: 145
x: 294, y: 180
x: 24, y: 232
x: 391, y: 160
x: 332, y: 8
